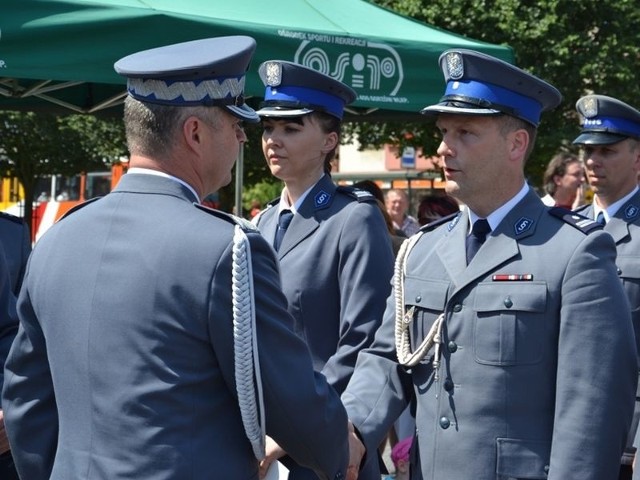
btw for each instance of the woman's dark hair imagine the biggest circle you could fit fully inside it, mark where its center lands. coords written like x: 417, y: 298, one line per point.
x: 434, y: 206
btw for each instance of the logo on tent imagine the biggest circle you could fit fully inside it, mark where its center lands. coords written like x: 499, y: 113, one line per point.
x: 373, y: 69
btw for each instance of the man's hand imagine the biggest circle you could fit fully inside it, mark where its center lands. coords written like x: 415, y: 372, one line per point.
x: 356, y: 453
x: 4, y: 441
x: 273, y: 452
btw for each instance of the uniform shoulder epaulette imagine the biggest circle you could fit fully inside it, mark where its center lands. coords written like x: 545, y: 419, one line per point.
x: 244, y: 223
x: 440, y: 221
x: 79, y: 206
x: 11, y: 218
x: 584, y: 224
x: 356, y: 193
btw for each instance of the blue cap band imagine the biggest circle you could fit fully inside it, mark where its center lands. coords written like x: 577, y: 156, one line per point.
x: 494, y: 97
x: 307, y: 98
x: 613, y: 125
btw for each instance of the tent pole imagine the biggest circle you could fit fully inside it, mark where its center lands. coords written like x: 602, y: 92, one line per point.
x: 239, y: 175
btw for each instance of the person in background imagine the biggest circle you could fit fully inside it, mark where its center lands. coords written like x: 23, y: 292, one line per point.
x: 397, y: 236
x: 610, y: 138
x: 8, y: 330
x: 397, y: 203
x: 400, y: 456
x: 564, y: 181
x: 435, y: 206
x: 332, y: 244
x: 140, y: 309
x: 507, y: 329
x: 15, y: 241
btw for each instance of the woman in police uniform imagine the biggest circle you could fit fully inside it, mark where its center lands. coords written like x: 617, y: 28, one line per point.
x: 336, y: 258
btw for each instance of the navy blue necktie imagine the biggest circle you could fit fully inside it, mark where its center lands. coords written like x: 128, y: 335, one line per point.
x: 477, y: 237
x: 283, y: 223
x: 600, y: 218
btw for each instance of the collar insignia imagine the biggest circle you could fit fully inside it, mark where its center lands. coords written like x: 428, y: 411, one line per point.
x: 321, y: 199
x: 522, y: 225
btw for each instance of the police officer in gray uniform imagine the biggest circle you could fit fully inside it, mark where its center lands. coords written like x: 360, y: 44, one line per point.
x: 512, y: 332
x: 610, y: 138
x: 336, y: 259
x: 16, y: 241
x: 16, y: 244
x: 140, y: 309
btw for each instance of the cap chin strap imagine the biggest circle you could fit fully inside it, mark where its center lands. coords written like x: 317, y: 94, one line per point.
x: 404, y: 318
x: 247, y: 362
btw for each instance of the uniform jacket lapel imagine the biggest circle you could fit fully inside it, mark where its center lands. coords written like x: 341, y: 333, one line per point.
x: 618, y: 225
x: 307, y: 219
x: 501, y: 245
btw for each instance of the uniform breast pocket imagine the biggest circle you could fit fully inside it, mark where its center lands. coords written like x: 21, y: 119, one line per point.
x: 509, y: 323
x: 629, y: 266
x: 428, y: 299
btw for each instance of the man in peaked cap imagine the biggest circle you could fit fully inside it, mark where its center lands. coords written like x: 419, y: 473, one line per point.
x: 139, y: 310
x: 610, y: 138
x: 513, y: 338
x: 336, y: 259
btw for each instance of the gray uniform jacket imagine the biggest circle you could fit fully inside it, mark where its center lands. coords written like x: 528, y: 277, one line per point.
x: 15, y: 238
x: 336, y: 264
x: 123, y: 366
x: 538, y: 373
x: 624, y: 227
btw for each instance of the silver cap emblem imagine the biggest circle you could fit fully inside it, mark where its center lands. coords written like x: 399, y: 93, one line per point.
x: 273, y: 74
x: 455, y: 66
x: 589, y: 107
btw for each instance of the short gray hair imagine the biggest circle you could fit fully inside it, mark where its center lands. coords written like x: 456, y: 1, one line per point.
x: 151, y: 128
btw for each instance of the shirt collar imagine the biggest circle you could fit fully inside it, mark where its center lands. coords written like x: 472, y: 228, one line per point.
x: 149, y: 171
x: 498, y: 215
x: 284, y: 199
x: 612, y: 209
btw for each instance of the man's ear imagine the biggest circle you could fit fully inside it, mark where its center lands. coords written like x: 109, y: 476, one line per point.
x: 192, y: 130
x: 519, y: 143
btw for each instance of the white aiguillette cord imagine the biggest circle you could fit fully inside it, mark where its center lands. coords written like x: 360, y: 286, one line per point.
x: 247, y: 363
x: 404, y: 319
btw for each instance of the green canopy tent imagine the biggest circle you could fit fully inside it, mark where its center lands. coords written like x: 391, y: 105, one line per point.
x: 59, y: 53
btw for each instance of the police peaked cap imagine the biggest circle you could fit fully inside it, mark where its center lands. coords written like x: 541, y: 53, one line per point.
x: 293, y: 90
x: 607, y: 120
x: 209, y: 72
x: 478, y: 84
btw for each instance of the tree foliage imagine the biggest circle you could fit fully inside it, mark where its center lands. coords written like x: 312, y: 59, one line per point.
x: 579, y: 47
x: 34, y: 145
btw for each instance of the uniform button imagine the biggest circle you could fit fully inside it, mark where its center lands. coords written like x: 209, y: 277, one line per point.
x: 457, y: 307
x: 339, y: 476
x: 448, y: 385
x: 418, y: 298
x: 619, y: 271
x: 453, y: 346
x: 508, y: 302
x: 444, y: 423
x: 546, y: 469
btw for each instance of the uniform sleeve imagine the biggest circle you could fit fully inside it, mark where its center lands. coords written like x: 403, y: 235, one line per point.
x: 597, y: 366
x: 28, y: 400
x: 379, y: 389
x: 303, y: 412
x: 365, y: 271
